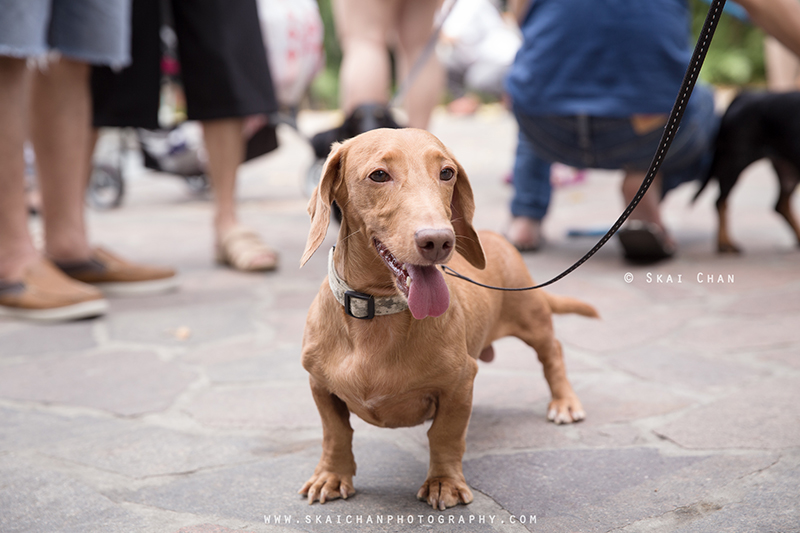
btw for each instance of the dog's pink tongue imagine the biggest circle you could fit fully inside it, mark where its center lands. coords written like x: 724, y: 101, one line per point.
x: 428, y: 294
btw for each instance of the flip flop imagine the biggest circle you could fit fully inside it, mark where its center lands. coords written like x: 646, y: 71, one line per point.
x: 644, y: 242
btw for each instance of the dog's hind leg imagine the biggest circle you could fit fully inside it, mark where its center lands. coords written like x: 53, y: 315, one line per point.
x: 728, y: 168
x: 564, y: 407
x: 789, y: 177
x: 724, y: 243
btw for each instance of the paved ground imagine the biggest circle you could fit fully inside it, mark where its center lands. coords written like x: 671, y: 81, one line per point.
x: 190, y: 412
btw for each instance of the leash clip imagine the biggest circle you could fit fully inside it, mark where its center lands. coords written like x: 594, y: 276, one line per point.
x: 348, y: 297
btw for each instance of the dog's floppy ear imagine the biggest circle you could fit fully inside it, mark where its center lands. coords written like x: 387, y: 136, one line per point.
x: 319, y: 206
x: 462, y: 208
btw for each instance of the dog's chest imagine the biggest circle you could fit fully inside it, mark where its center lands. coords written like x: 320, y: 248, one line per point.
x: 385, y: 396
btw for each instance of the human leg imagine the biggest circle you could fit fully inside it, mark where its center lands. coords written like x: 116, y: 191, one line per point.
x: 226, y: 78
x: 225, y: 146
x: 783, y: 68
x: 15, y: 241
x: 648, y: 209
x: 531, y: 196
x: 60, y: 131
x: 415, y: 26
x: 30, y: 286
x: 363, y: 28
x: 236, y: 246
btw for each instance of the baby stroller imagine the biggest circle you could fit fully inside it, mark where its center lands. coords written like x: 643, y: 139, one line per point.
x: 177, y: 151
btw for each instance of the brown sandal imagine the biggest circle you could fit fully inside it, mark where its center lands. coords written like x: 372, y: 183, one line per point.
x: 242, y: 249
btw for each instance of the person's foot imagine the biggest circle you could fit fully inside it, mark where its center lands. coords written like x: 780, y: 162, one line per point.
x: 241, y: 248
x: 119, y: 277
x: 44, y: 293
x: 645, y: 242
x: 525, y: 234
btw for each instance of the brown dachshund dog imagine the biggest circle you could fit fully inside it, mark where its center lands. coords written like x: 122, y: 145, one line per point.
x: 389, y: 337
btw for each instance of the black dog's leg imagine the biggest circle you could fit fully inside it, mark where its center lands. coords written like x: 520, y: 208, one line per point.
x: 724, y: 243
x: 727, y: 175
x: 788, y: 177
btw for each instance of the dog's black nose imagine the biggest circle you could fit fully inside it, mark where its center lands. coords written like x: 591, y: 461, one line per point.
x: 435, y: 244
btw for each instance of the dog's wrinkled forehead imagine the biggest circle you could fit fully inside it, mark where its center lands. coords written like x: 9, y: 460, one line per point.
x: 406, y: 146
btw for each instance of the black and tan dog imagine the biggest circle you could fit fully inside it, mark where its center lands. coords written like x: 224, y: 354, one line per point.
x: 757, y: 125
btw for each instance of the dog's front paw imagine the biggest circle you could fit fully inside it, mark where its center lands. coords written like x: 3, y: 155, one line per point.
x: 324, y: 486
x: 566, y: 410
x: 444, y: 492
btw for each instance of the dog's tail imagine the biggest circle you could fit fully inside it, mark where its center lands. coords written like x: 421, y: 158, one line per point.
x: 564, y: 305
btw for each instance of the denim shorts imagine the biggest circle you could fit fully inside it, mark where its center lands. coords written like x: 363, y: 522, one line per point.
x: 92, y: 31
x: 616, y: 143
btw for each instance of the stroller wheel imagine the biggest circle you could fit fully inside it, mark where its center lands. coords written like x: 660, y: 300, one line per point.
x: 198, y: 184
x: 106, y: 187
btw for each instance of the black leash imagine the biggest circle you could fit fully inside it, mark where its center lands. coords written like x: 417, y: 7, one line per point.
x: 675, y: 116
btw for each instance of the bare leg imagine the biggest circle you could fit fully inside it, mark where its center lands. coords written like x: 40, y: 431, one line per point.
x: 648, y: 209
x: 225, y: 145
x: 415, y: 28
x: 60, y: 130
x: 783, y: 68
x: 16, y: 248
x: 364, y: 27
x: 525, y: 233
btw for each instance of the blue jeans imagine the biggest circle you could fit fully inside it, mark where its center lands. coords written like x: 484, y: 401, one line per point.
x: 609, y: 143
x: 531, y: 182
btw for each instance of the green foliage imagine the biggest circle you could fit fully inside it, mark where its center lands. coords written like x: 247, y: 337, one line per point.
x: 736, y: 55
x: 333, y: 55
x: 324, y: 90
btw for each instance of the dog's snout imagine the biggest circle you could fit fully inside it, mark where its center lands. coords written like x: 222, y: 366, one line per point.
x: 435, y: 244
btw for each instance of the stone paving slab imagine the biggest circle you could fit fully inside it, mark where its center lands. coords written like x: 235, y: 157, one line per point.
x: 737, y: 421
x: 125, y: 382
x: 35, y: 341
x: 190, y: 412
x: 46, y: 500
x: 587, y: 490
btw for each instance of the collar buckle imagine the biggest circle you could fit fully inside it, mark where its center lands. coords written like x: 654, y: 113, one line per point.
x: 369, y: 299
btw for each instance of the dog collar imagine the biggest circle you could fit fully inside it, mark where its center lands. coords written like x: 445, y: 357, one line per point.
x: 360, y: 305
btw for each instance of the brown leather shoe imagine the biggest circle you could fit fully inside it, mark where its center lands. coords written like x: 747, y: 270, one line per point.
x: 46, y: 294
x: 116, y: 276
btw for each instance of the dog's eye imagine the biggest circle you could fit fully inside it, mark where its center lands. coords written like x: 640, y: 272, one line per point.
x: 379, y: 176
x: 447, y: 174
